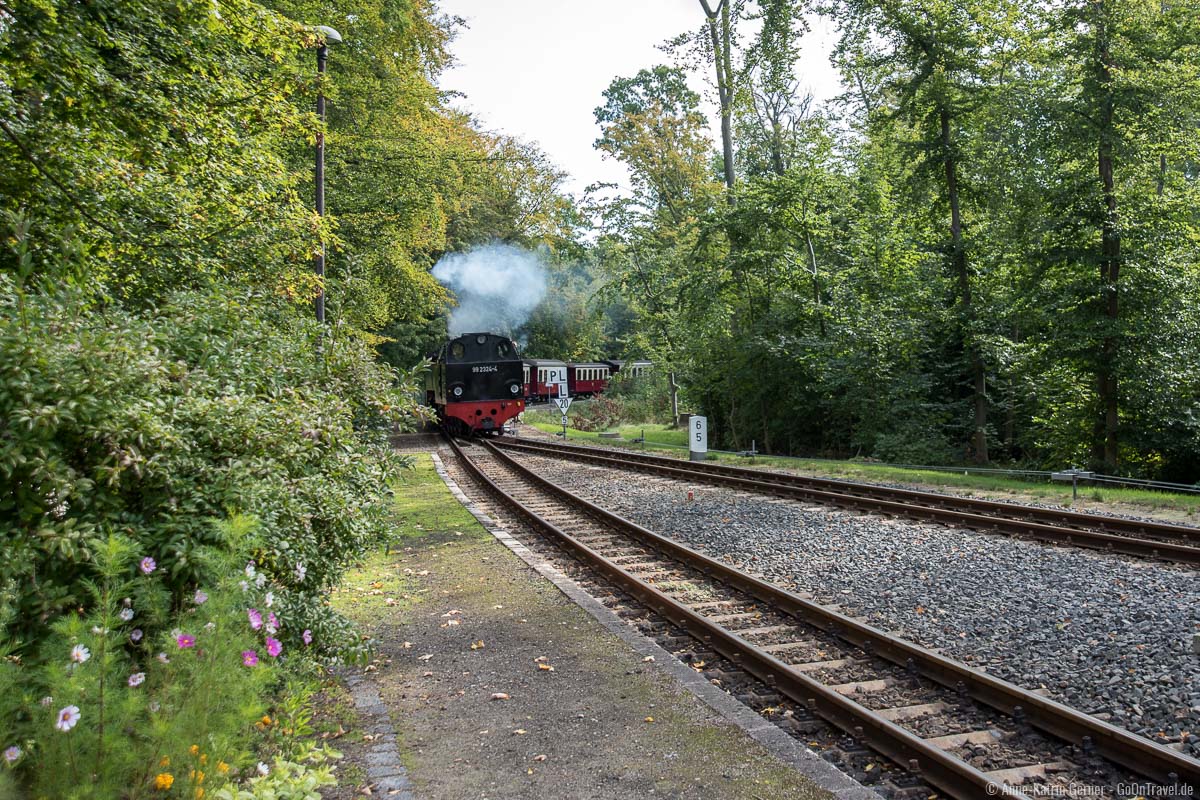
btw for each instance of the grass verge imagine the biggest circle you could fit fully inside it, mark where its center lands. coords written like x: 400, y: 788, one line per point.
x: 660, y: 437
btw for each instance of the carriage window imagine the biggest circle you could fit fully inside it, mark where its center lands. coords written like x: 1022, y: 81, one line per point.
x: 457, y: 350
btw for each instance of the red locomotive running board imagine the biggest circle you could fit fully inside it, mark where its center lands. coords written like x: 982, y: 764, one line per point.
x: 486, y: 415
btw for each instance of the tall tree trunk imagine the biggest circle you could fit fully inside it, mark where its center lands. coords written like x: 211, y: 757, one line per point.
x: 1104, y: 446
x: 958, y: 259
x: 720, y: 34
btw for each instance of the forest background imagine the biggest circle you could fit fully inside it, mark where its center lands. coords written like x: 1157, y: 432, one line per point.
x: 984, y: 251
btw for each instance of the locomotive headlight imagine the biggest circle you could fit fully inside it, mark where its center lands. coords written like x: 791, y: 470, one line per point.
x: 516, y: 387
x: 458, y: 391
x: 481, y: 339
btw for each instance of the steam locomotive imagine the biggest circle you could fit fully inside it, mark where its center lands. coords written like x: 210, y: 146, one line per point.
x: 476, y: 383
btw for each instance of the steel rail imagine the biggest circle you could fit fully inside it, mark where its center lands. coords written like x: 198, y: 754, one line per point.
x: 981, y: 515
x: 934, y: 764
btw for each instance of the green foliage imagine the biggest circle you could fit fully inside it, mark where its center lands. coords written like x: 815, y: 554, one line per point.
x: 111, y: 699
x: 986, y: 249
x: 154, y: 130
x: 151, y: 426
x: 296, y: 778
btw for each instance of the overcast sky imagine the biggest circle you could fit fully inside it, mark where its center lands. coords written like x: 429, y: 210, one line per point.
x: 535, y: 69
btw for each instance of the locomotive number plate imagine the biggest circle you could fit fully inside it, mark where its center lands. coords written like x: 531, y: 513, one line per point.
x: 485, y: 368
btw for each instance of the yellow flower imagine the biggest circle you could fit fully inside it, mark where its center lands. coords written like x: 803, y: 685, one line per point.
x: 222, y: 767
x: 165, y: 761
x: 194, y: 749
x: 197, y: 776
x: 199, y: 792
x: 266, y: 720
x: 203, y: 758
x: 164, y: 780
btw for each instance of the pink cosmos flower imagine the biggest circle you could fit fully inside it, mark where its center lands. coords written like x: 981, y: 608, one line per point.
x: 200, y: 598
x: 185, y: 640
x: 255, y: 618
x: 274, y: 648
x: 67, y: 718
x: 249, y: 658
x: 137, y: 678
x: 148, y: 565
x: 135, y: 635
x: 11, y: 754
x: 307, y: 636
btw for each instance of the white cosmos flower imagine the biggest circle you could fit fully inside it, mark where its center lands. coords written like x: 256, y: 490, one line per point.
x: 47, y: 701
x: 261, y: 580
x: 126, y: 614
x: 80, y: 654
x: 269, y: 599
x: 137, y: 678
x: 245, y: 586
x: 300, y: 573
x: 262, y: 768
x: 11, y: 754
x: 67, y: 718
x: 250, y: 570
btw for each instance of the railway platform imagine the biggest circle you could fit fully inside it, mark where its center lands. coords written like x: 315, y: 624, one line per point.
x: 497, y: 677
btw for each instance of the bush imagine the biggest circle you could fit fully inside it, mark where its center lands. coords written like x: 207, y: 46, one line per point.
x: 152, y: 425
x: 598, y: 414
x: 114, y: 709
x: 644, y: 398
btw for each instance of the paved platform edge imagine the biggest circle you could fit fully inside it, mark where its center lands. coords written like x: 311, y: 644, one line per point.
x: 385, y: 772
x: 781, y: 745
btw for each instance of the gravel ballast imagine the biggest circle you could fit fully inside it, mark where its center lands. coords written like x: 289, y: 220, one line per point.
x: 1109, y: 635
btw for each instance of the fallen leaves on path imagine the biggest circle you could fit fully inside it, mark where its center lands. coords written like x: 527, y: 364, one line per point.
x: 477, y: 645
x: 500, y: 696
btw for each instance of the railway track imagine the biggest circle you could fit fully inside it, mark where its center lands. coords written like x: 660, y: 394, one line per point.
x: 962, y: 731
x: 1141, y: 538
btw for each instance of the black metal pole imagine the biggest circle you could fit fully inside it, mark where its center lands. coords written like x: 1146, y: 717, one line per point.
x: 319, y: 258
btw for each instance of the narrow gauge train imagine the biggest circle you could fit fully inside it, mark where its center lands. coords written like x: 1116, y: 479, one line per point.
x: 584, y: 379
x: 476, y: 383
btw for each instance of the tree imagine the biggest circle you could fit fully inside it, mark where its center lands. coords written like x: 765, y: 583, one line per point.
x: 932, y: 55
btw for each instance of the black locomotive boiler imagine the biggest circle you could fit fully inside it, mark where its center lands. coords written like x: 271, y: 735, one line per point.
x: 476, y: 383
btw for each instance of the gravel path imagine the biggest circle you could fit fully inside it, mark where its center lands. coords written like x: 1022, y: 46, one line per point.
x: 1109, y: 635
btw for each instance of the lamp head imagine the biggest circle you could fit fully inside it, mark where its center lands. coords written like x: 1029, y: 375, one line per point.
x: 331, y: 36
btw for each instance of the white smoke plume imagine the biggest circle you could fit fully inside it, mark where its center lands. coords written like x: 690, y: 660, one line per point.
x: 497, y: 287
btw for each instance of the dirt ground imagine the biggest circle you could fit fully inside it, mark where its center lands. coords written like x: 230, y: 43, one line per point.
x: 499, y: 686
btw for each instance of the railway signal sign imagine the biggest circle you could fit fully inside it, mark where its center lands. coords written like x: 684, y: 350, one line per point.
x: 697, y: 438
x: 564, y: 420
x: 561, y: 403
x: 562, y: 391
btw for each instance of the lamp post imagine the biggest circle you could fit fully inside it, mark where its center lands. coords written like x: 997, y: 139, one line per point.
x: 330, y: 36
